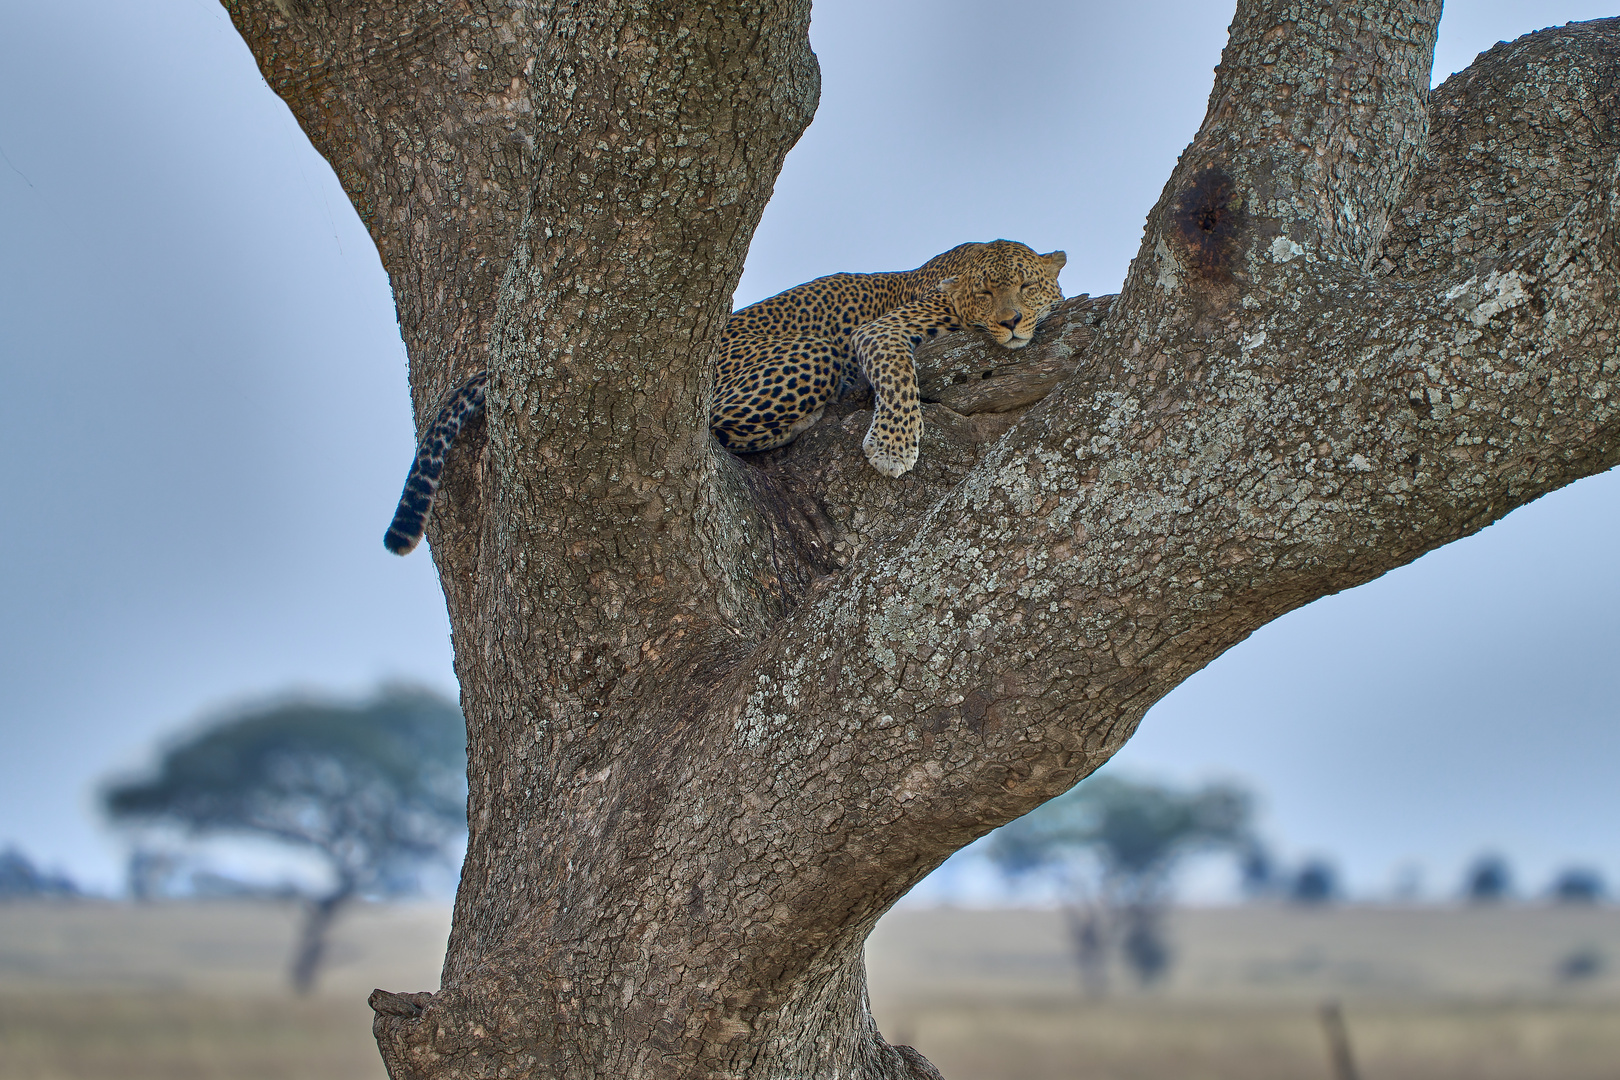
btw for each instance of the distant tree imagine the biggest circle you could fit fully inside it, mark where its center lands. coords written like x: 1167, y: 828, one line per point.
x: 20, y: 879
x: 149, y: 874
x: 1257, y: 870
x: 1578, y: 885
x: 1488, y: 880
x: 1315, y: 882
x: 374, y: 790
x: 1112, y: 845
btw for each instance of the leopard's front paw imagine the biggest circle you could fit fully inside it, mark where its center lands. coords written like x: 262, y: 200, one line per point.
x: 889, y: 456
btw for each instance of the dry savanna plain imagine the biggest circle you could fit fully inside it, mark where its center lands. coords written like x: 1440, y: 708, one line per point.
x: 196, y: 990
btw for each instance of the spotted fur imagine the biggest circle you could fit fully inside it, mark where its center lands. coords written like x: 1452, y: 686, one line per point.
x: 783, y: 359
x: 410, y: 517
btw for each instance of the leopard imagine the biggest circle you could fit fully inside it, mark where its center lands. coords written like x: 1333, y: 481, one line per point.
x: 783, y: 360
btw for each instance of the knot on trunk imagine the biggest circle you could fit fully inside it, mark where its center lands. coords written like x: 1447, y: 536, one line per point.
x: 406, y: 1044
x: 914, y: 1065
x: 1208, y: 224
x: 386, y: 1003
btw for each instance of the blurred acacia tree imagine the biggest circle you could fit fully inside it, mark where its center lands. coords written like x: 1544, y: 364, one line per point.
x: 1112, y: 845
x: 374, y: 789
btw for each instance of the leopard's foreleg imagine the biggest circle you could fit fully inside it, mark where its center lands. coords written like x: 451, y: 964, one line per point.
x: 884, y: 349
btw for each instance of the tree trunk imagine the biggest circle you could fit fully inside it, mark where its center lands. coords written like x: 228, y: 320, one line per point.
x: 310, y: 951
x: 721, y: 713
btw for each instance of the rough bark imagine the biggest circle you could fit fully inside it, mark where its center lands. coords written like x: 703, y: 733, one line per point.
x: 721, y: 713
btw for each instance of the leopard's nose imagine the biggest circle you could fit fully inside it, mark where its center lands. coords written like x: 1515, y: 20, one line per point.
x: 1012, y: 323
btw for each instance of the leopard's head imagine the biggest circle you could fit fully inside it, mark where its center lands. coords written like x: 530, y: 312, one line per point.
x: 1006, y: 290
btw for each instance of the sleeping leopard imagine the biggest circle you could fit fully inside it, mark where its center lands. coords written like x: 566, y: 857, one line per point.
x: 782, y: 360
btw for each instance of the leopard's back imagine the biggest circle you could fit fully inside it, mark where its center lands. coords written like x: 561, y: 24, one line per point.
x: 784, y: 358
x: 830, y: 307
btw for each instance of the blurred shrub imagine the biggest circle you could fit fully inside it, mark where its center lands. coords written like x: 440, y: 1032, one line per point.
x: 1487, y: 880
x: 1578, y: 885
x: 1316, y: 882
x: 21, y: 879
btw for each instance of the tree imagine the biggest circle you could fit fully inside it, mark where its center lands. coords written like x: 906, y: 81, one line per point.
x: 721, y: 714
x: 1316, y: 882
x: 373, y: 790
x: 1137, y: 833
x: 1488, y: 880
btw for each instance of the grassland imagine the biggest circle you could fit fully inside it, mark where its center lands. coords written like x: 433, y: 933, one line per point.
x: 197, y: 991
x: 1427, y: 994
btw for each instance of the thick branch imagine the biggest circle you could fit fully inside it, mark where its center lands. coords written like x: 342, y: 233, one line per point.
x: 1518, y: 137
x: 1240, y: 447
x: 1316, y: 118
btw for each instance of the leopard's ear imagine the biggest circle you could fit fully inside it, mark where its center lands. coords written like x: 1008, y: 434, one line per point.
x: 1056, y: 260
x: 945, y: 284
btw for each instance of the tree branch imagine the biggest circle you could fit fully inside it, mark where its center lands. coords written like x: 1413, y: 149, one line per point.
x: 1518, y: 137
x: 1246, y: 440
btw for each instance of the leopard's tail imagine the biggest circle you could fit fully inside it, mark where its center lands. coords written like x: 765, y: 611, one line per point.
x: 410, y: 520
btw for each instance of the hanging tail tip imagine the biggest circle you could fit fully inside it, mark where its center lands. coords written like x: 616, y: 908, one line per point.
x: 401, y: 539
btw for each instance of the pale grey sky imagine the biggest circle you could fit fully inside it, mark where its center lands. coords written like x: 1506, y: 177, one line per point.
x: 204, y: 387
